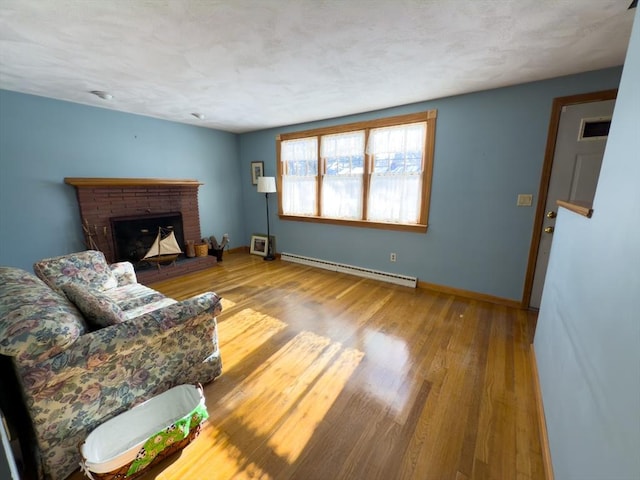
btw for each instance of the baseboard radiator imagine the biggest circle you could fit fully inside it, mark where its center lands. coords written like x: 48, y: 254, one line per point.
x: 403, y: 280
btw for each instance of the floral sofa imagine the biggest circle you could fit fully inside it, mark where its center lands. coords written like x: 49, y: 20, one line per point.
x: 88, y: 342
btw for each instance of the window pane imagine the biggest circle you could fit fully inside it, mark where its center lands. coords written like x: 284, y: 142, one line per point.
x: 343, y: 154
x: 302, y: 168
x: 413, y: 162
x: 396, y: 186
x: 397, y: 149
x: 381, y: 163
x: 299, y: 195
x: 299, y: 180
x: 342, y: 196
x: 300, y: 156
x: 395, y: 198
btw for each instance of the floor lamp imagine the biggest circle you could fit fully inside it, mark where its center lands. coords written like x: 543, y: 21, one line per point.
x: 267, y: 185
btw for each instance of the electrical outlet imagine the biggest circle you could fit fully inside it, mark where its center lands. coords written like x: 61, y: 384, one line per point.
x: 392, y: 257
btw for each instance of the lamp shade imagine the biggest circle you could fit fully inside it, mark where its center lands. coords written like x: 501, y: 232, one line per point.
x: 266, y: 184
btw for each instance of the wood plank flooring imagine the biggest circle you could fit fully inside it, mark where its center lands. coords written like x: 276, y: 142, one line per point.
x: 329, y: 376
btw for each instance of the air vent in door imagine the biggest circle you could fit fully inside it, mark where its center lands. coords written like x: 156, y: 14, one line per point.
x: 594, y: 128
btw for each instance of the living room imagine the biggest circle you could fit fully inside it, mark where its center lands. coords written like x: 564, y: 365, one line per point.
x: 489, y: 148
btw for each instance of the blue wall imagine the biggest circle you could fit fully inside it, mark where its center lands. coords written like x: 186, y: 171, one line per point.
x: 489, y: 148
x: 44, y: 140
x: 588, y: 336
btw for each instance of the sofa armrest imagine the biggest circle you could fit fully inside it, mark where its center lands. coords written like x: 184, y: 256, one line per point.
x: 124, y: 272
x: 94, y: 349
x: 177, y: 313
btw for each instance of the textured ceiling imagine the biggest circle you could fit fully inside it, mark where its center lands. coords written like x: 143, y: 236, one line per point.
x: 253, y: 64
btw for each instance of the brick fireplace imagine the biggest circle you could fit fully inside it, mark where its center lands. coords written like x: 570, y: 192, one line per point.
x: 102, y: 199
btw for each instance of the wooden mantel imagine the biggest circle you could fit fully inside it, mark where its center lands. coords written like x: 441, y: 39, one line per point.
x: 130, y: 182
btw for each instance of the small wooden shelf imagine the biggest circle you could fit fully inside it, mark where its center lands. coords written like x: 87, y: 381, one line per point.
x: 580, y: 208
x: 130, y: 182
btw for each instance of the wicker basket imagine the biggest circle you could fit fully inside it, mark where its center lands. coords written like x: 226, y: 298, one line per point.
x: 121, y: 473
x: 185, y: 402
x: 202, y: 250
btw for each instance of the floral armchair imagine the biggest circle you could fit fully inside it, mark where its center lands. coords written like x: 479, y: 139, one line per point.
x: 115, y: 345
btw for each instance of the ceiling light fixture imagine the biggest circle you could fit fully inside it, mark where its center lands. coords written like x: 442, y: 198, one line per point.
x: 199, y: 116
x: 102, y: 95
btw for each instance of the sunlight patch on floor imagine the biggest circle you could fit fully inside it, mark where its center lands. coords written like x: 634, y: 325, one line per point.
x: 293, y: 435
x: 226, y: 303
x: 292, y: 391
x: 212, y: 455
x: 243, y: 333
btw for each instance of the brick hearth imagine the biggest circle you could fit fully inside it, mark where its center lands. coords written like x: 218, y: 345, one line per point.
x: 100, y: 199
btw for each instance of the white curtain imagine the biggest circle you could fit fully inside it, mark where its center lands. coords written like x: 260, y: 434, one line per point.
x: 342, y: 196
x: 399, y: 139
x: 349, y: 144
x: 395, y: 198
x: 299, y: 195
x: 396, y: 181
x: 299, y: 150
x: 342, y: 184
x: 395, y: 188
x: 299, y: 182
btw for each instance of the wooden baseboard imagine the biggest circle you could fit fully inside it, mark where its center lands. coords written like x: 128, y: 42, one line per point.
x: 542, y: 423
x: 469, y: 294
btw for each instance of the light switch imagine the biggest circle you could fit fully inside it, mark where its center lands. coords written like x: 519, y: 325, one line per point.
x: 525, y: 200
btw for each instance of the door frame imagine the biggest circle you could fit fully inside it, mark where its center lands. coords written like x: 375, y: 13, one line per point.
x: 545, y: 177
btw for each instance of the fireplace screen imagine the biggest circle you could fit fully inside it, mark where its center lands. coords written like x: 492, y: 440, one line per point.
x: 133, y: 236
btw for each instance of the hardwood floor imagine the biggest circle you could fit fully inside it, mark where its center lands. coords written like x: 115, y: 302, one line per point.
x: 329, y: 376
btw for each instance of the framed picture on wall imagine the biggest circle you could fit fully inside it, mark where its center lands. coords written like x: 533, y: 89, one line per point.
x: 257, y: 170
x: 259, y: 245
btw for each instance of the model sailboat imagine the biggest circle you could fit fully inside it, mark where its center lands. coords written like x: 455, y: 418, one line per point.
x: 165, y: 248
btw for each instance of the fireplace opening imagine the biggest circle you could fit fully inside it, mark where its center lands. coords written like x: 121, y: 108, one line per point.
x: 134, y: 235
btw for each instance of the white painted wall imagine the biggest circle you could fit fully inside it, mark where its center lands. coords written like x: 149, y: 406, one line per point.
x: 588, y: 336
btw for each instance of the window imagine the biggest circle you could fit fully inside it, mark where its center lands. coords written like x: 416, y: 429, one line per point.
x: 375, y: 173
x: 342, y: 185
x: 299, y: 184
